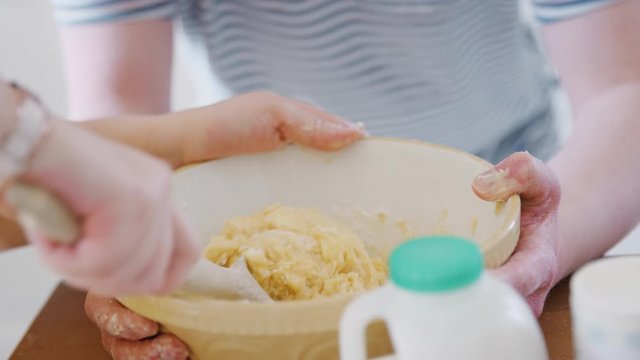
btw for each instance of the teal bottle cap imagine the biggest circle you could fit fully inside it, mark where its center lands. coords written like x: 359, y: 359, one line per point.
x: 435, y: 264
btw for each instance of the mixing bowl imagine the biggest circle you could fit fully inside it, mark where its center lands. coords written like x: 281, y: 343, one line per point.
x: 386, y: 190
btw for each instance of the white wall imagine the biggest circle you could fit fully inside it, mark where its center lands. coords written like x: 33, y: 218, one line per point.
x: 29, y: 49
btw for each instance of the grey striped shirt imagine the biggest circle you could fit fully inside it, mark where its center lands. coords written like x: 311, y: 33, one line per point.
x: 464, y: 73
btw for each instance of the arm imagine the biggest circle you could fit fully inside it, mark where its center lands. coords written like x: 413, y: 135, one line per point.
x: 108, y: 73
x: 116, y: 78
x: 120, y: 67
x: 248, y: 123
x: 253, y: 122
x: 98, y: 186
x: 598, y: 59
x: 597, y: 56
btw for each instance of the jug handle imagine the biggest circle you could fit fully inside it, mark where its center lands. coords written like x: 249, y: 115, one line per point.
x: 357, y: 315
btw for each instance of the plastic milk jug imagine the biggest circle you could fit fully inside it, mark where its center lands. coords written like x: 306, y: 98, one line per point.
x: 440, y: 304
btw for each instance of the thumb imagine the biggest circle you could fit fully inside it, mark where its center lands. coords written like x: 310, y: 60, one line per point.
x: 521, y: 174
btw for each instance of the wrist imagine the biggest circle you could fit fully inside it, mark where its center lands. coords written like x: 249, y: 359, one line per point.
x: 173, y: 140
x: 184, y: 137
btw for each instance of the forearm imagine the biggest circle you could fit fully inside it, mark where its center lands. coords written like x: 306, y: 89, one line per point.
x: 118, y: 68
x: 160, y: 136
x: 194, y: 135
x: 600, y: 176
x: 248, y: 123
x: 175, y: 137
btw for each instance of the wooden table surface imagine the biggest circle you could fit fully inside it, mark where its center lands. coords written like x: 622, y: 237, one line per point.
x: 61, y: 330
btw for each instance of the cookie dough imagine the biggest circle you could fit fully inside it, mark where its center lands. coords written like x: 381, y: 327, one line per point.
x: 298, y: 253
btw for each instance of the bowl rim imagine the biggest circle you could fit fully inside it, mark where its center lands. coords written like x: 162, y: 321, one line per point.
x: 262, y: 316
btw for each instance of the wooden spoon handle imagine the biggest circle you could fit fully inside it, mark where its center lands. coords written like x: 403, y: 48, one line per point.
x: 40, y: 210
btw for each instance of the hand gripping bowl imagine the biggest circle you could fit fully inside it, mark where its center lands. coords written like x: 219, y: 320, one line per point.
x: 385, y: 189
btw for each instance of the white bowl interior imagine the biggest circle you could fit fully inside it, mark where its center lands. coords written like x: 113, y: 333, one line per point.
x: 386, y: 190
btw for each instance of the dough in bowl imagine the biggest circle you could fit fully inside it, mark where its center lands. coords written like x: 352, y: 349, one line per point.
x: 298, y: 253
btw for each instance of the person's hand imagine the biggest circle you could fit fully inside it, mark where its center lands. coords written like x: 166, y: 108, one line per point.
x: 257, y: 122
x: 249, y: 123
x: 533, y: 268
x: 128, y: 336
x: 253, y: 122
x: 132, y: 240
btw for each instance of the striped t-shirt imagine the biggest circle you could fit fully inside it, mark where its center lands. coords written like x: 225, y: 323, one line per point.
x: 465, y: 73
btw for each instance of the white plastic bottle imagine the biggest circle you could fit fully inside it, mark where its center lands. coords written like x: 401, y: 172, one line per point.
x: 440, y: 305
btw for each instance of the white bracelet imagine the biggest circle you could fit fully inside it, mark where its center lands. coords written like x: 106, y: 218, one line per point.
x: 32, y: 123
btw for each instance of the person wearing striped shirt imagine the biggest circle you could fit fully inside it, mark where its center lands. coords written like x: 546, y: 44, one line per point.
x: 464, y: 73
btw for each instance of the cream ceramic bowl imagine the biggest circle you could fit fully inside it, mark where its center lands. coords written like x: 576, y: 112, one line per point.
x: 386, y: 190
